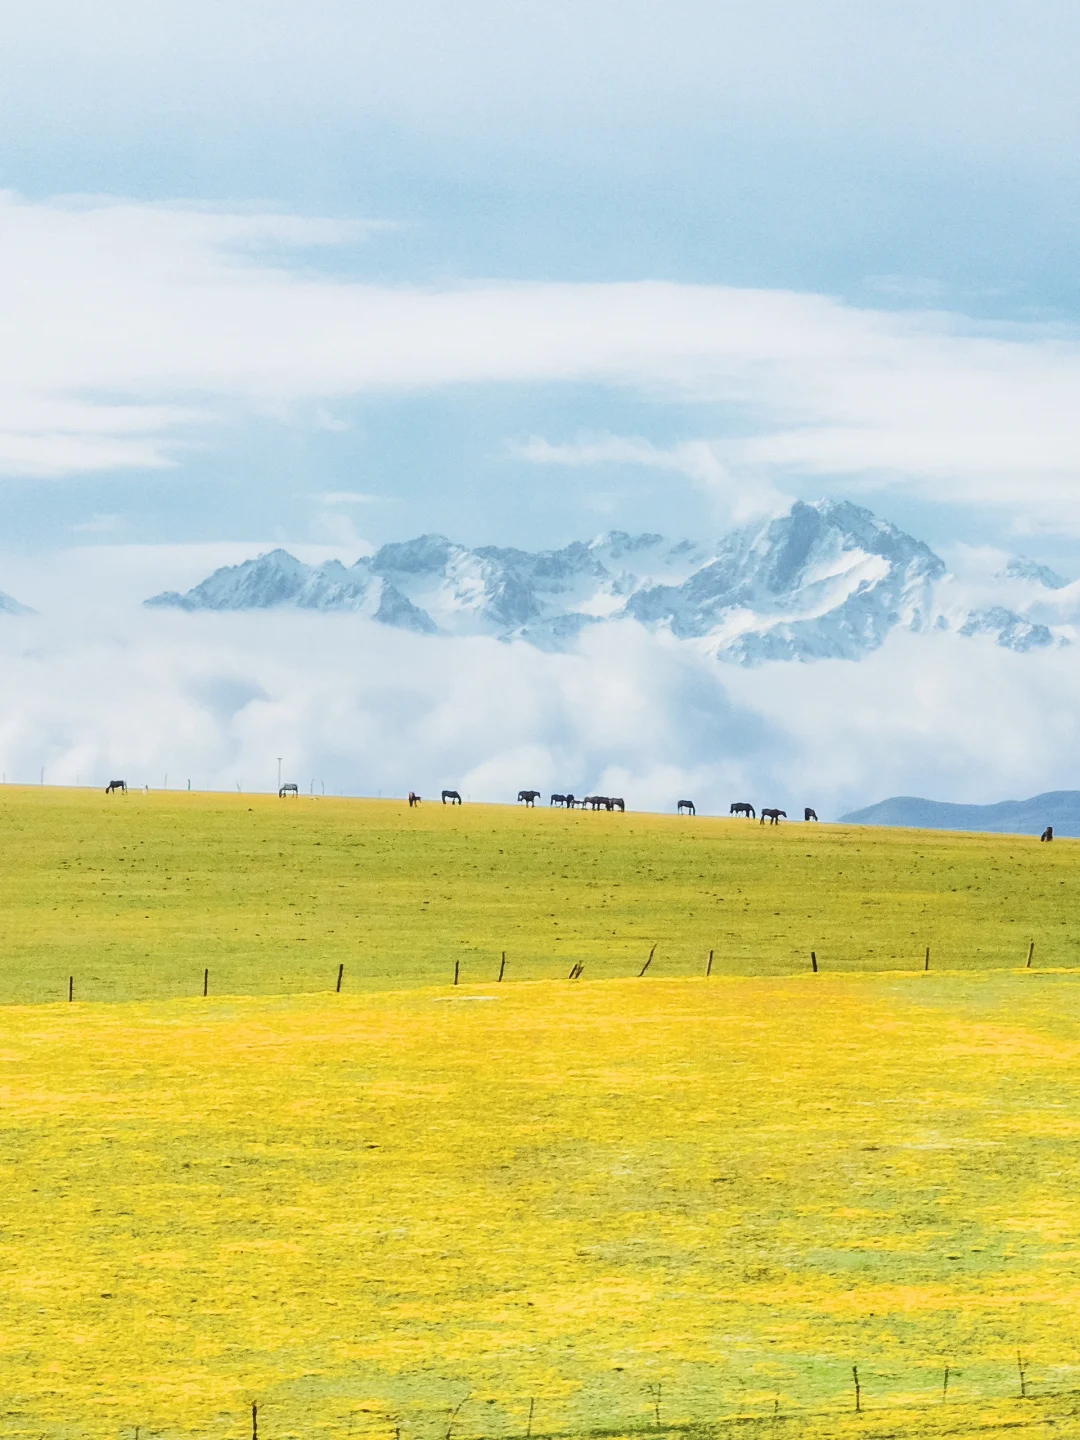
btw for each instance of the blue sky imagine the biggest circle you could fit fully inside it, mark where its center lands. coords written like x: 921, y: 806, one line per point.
x: 893, y: 191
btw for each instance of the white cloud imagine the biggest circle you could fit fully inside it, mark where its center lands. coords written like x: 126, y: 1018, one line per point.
x: 364, y: 709
x: 736, y: 499
x: 131, y: 329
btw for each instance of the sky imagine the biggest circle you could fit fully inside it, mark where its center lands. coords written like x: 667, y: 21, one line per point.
x: 326, y: 276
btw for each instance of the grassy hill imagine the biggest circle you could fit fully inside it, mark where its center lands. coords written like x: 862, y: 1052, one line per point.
x: 412, y: 1211
x: 136, y: 896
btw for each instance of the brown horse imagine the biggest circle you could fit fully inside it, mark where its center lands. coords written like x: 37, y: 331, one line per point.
x: 773, y: 815
x: 742, y: 808
x: 414, y: 799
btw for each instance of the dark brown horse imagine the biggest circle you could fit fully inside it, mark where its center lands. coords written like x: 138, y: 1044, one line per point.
x: 414, y: 799
x: 116, y: 785
x: 773, y: 815
x: 686, y: 805
x: 1048, y: 833
x: 809, y: 814
x: 742, y: 808
x: 529, y: 796
x: 452, y: 796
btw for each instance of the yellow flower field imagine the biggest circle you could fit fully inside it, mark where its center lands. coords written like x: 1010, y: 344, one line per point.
x: 544, y: 1206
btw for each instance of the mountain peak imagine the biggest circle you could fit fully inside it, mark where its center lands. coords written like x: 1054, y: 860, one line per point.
x: 827, y: 580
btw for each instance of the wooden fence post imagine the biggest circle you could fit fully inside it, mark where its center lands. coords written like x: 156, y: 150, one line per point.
x: 502, y: 966
x: 340, y: 973
x: 1031, y: 952
x: 648, y: 962
x: 927, y: 965
x: 206, y: 982
x: 813, y: 961
x: 457, y: 966
x: 858, y: 1389
x: 71, y: 988
x: 708, y: 967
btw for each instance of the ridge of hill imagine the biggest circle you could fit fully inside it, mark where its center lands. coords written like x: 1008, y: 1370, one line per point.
x: 1059, y: 808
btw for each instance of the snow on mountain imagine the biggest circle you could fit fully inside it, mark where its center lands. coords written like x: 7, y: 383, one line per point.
x: 1018, y: 568
x: 826, y: 580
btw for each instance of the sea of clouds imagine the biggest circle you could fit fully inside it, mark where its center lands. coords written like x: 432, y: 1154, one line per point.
x: 357, y: 708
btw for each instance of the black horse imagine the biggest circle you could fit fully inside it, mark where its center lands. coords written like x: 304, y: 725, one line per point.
x: 597, y: 802
x: 809, y: 814
x: 558, y: 799
x: 529, y: 796
x: 289, y: 789
x: 617, y: 803
x: 773, y: 815
x: 116, y: 785
x: 414, y: 799
x: 452, y: 796
x: 741, y: 808
x: 1048, y: 833
x: 687, y: 805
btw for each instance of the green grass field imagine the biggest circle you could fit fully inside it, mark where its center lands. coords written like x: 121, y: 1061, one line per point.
x: 668, y: 1205
x: 136, y: 896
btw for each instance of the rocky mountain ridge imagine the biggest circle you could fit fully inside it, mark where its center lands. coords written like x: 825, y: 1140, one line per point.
x: 828, y: 580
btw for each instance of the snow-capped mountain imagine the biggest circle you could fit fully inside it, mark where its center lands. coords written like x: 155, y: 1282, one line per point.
x: 826, y: 580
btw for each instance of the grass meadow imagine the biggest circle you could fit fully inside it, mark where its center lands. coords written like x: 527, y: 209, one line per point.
x: 416, y: 1211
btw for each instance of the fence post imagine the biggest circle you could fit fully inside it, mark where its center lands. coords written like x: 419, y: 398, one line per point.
x: 71, y: 988
x: 858, y: 1389
x: 813, y: 961
x: 927, y: 965
x: 708, y: 967
x: 1031, y: 952
x: 502, y: 966
x: 457, y: 966
x: 648, y: 962
x: 206, y: 982
x: 340, y: 973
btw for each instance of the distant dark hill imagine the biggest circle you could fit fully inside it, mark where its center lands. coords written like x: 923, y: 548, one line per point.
x: 1059, y: 808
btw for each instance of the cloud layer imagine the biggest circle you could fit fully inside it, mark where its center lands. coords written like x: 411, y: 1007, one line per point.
x: 357, y: 708
x: 137, y: 330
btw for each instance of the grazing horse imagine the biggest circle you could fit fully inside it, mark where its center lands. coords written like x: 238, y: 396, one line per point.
x: 414, y: 799
x: 529, y: 796
x: 687, y: 805
x: 809, y: 814
x: 741, y: 808
x: 558, y: 799
x: 617, y: 803
x: 452, y: 796
x: 1048, y: 833
x: 774, y: 815
x: 116, y: 785
x: 289, y: 789
x: 597, y: 802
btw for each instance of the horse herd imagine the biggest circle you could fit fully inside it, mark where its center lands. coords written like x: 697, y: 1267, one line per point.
x: 528, y: 798
x: 587, y: 802
x: 768, y: 813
